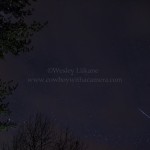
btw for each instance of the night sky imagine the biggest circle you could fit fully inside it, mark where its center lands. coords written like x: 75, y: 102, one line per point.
x: 110, y: 37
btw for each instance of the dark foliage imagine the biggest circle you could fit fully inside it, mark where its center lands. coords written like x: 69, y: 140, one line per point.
x: 15, y: 32
x: 42, y: 134
x: 15, y: 38
x: 6, y: 89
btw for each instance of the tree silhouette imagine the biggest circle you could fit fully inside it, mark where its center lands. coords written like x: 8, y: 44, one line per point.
x: 41, y: 134
x: 34, y: 134
x: 6, y: 89
x: 15, y: 32
x: 66, y: 141
x: 15, y: 37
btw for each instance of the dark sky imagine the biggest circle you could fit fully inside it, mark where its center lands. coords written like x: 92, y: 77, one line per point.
x: 112, y: 37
